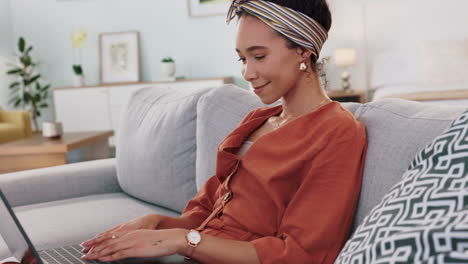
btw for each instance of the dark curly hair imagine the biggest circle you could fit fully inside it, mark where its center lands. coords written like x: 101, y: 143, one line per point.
x: 315, y: 9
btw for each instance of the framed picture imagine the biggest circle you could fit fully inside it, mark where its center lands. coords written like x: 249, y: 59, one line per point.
x: 208, y: 7
x: 119, y: 57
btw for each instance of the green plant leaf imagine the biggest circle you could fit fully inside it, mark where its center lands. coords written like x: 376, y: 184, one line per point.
x: 14, y: 71
x: 167, y: 59
x: 38, y: 113
x: 44, y: 105
x: 38, y: 86
x: 18, y: 102
x: 37, y: 98
x: 45, y: 88
x: 13, y: 85
x: 29, y: 49
x: 14, y: 99
x: 34, y: 78
x: 77, y: 69
x: 27, y: 97
x: 27, y: 61
x: 21, y: 44
x: 45, y: 95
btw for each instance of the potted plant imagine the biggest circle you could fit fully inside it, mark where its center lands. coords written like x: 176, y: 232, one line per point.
x: 168, y: 68
x: 78, y: 79
x: 78, y: 40
x: 27, y: 91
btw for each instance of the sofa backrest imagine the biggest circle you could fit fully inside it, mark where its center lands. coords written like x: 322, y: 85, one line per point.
x: 396, y: 130
x: 156, y: 145
x: 167, y: 143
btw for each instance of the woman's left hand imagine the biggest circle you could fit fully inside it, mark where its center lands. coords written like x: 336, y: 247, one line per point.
x: 139, y: 244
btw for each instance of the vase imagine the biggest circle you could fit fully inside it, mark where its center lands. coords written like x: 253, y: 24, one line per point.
x: 168, y: 70
x: 78, y: 80
x: 52, y: 130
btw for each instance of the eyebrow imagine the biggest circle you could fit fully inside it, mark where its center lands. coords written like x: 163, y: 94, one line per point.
x: 252, y: 48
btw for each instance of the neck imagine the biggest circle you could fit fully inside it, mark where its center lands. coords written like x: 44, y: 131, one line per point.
x: 303, y: 98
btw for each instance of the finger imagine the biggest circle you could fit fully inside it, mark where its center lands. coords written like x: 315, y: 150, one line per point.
x: 108, y: 247
x: 100, y: 235
x: 86, y: 249
x: 98, y: 240
x: 122, y: 254
x: 109, y: 231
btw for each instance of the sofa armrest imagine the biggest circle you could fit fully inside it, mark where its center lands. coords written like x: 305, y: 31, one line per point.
x: 19, y: 118
x: 60, y: 182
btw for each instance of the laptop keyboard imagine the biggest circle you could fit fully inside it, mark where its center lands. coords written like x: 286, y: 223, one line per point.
x: 66, y: 255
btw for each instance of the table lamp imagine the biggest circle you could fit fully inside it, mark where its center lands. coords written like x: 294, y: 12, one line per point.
x: 345, y: 58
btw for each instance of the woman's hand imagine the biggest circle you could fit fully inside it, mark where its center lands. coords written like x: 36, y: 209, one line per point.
x: 138, y: 244
x: 150, y: 221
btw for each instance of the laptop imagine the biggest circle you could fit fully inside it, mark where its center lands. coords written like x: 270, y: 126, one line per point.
x: 18, y: 247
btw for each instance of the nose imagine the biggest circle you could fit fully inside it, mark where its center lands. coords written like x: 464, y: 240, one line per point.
x: 249, y: 72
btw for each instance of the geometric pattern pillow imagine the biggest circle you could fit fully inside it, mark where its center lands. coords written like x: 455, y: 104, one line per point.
x: 424, y: 217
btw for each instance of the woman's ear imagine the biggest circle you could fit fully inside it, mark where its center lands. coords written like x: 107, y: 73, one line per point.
x: 304, y: 54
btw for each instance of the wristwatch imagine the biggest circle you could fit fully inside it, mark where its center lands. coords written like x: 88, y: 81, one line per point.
x: 193, y: 239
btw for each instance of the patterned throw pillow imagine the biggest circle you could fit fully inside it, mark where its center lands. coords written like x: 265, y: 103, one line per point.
x: 424, y: 217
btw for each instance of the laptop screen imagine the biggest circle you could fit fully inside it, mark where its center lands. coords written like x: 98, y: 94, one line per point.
x: 16, y: 245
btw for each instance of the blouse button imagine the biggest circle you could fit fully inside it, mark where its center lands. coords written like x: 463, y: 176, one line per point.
x: 227, y: 196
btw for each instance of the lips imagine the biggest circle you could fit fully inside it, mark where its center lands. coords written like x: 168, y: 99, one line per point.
x: 259, y: 87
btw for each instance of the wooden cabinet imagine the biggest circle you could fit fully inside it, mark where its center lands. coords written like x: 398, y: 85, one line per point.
x: 83, y: 109
x: 94, y: 108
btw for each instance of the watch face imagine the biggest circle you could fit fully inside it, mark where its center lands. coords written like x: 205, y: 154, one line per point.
x: 194, y: 237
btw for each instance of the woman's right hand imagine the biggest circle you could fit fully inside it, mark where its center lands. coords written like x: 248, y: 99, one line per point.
x: 150, y: 221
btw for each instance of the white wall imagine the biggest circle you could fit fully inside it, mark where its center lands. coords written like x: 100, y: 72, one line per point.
x: 347, y: 31
x: 202, y: 46
x: 5, y: 50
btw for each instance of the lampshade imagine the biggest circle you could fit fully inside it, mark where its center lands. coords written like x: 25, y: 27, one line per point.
x: 345, y: 57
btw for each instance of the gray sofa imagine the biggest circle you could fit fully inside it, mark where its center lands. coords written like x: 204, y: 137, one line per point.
x: 166, y: 150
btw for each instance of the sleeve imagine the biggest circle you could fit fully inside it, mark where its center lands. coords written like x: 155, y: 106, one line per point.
x: 201, y: 206
x: 318, y: 218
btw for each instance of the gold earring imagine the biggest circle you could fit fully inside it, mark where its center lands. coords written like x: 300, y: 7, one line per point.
x: 303, y: 66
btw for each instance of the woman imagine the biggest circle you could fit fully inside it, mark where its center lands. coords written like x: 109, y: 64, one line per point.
x: 287, y: 178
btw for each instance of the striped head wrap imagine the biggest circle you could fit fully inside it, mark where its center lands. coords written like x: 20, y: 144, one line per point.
x: 294, y: 25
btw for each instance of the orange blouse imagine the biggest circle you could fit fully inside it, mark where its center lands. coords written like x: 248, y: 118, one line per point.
x: 293, y: 193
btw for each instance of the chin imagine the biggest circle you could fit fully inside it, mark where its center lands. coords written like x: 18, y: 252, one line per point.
x: 268, y: 101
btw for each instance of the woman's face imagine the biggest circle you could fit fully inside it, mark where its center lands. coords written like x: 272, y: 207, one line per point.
x: 271, y: 68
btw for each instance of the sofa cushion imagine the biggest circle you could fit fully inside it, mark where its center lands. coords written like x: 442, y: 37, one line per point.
x: 396, y: 130
x: 156, y: 145
x: 425, y: 215
x: 225, y: 105
x: 72, y: 221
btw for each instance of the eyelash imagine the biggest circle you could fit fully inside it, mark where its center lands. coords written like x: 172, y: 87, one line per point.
x: 256, y: 57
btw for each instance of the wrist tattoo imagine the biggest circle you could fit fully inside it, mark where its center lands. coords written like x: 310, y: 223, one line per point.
x: 157, y: 243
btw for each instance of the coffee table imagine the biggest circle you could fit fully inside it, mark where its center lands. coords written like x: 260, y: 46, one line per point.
x: 39, y: 152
